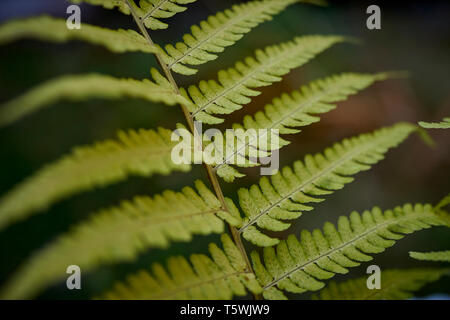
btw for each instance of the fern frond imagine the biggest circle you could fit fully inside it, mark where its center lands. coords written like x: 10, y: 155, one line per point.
x: 221, y: 277
x: 236, y: 85
x: 431, y: 256
x: 301, y: 265
x: 444, y: 124
x: 55, y: 30
x: 213, y: 35
x: 84, y: 87
x: 297, y: 109
x: 143, y: 152
x: 289, y: 192
x: 150, y: 11
x: 395, y: 285
x: 121, y: 233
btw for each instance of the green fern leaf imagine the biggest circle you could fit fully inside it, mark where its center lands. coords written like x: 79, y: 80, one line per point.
x: 297, y: 109
x: 301, y: 265
x: 431, y: 256
x: 55, y: 30
x: 121, y: 233
x: 287, y: 194
x: 84, y: 87
x: 236, y: 85
x: 219, y: 31
x: 395, y: 285
x: 150, y: 11
x: 444, y: 202
x: 144, y: 153
x: 221, y: 277
x: 444, y: 124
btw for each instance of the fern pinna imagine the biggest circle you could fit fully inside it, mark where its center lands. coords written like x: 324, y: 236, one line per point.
x: 119, y: 233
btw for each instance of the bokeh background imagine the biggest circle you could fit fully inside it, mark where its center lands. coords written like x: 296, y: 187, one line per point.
x: 415, y: 37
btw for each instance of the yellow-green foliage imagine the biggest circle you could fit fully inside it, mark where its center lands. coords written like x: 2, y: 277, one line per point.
x: 143, y: 152
x: 300, y: 107
x: 297, y: 109
x: 444, y: 202
x: 444, y: 124
x: 235, y: 86
x: 221, y: 30
x: 152, y: 10
x: 55, y: 30
x: 431, y: 256
x: 395, y: 285
x: 221, y: 277
x: 291, y: 191
x: 84, y: 87
x: 300, y: 265
x: 120, y: 233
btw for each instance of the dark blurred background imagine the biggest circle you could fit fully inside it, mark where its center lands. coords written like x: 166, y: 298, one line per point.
x: 415, y: 36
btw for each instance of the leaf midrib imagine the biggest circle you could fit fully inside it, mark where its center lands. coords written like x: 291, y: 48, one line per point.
x: 160, y: 219
x: 198, y: 284
x: 329, y: 169
x: 157, y: 7
x: 262, y: 65
x: 143, y: 224
x: 303, y: 105
x: 329, y: 252
x: 217, y: 31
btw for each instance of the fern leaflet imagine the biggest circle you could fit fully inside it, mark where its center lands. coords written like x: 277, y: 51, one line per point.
x: 55, y: 30
x: 444, y: 124
x: 219, y: 31
x: 286, y: 195
x: 150, y: 11
x: 235, y: 85
x: 431, y: 256
x: 83, y: 87
x: 221, y: 277
x: 144, y: 153
x: 297, y: 109
x: 121, y: 233
x: 395, y: 285
x: 300, y: 265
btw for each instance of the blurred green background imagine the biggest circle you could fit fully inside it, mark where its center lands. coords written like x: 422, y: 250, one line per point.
x: 415, y: 36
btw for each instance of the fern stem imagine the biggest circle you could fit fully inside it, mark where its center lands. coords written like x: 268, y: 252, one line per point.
x: 209, y: 170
